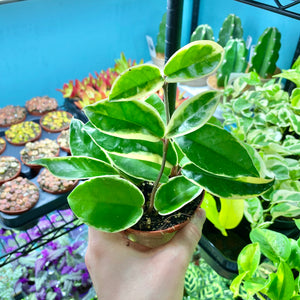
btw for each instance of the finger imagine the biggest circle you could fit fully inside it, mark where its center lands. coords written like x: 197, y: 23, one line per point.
x: 190, y: 235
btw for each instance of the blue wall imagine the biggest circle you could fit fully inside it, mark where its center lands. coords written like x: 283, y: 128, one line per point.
x: 45, y: 43
x: 254, y: 21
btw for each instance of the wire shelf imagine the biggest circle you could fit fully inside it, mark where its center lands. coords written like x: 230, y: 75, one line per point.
x: 288, y: 9
x: 14, y: 243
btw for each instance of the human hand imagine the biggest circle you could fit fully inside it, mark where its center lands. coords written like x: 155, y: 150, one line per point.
x: 122, y: 269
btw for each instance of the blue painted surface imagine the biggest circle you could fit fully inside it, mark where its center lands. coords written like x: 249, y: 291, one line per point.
x: 254, y: 21
x: 46, y: 43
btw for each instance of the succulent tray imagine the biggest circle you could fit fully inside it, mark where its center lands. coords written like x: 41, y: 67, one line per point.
x: 47, y: 202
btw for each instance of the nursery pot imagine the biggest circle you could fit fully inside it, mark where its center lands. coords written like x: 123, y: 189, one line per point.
x: 153, y: 239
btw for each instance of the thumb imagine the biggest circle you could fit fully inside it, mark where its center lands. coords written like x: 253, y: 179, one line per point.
x: 190, y: 235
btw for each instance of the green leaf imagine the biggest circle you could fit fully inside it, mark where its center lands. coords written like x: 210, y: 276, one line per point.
x: 81, y: 144
x: 169, y: 196
x: 193, y: 113
x: 297, y: 222
x: 140, y: 169
x: 127, y: 119
x: 212, y: 214
x: 236, y: 283
x: 195, y: 60
x: 107, y: 203
x: 156, y: 102
x: 294, y: 259
x: 76, y: 167
x: 249, y: 259
x: 215, y: 150
x: 231, y: 213
x: 295, y: 98
x: 277, y: 165
x: 255, y: 285
x: 282, y: 286
x: 253, y: 210
x: 137, y: 82
x: 227, y: 187
x: 273, y: 245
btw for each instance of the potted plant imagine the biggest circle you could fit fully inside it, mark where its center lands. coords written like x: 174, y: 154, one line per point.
x: 12, y: 114
x: 38, y: 106
x: 277, y: 274
x: 132, y: 142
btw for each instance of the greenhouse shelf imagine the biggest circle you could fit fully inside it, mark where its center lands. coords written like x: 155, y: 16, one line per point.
x: 15, y: 243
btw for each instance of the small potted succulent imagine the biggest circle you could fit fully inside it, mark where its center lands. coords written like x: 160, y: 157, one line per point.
x: 18, y: 196
x: 2, y: 145
x: 22, y: 133
x: 11, y: 114
x: 56, y: 121
x: 63, y: 140
x: 10, y: 168
x: 38, y: 106
x: 144, y: 162
x: 38, y: 149
x: 54, y: 185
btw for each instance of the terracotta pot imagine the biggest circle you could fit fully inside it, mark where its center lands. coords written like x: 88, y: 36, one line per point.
x: 11, y: 110
x: 153, y: 239
x: 55, y: 130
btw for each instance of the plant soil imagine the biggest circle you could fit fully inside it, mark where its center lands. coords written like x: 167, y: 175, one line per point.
x: 153, y: 221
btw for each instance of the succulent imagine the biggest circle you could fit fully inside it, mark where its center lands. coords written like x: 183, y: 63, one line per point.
x: 9, y: 168
x: 231, y: 29
x: 266, y: 53
x: 39, y: 149
x: 18, y: 195
x: 56, y: 120
x: 2, y: 145
x: 234, y: 60
x: 23, y: 132
x: 53, y: 184
x: 63, y: 140
x: 11, y: 114
x: 41, y: 105
x: 202, y: 32
x: 161, y: 36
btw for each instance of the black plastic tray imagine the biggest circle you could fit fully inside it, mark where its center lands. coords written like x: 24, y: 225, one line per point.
x: 47, y: 202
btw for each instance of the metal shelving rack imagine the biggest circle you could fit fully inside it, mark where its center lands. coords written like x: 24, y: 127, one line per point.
x: 277, y: 7
x: 15, y: 243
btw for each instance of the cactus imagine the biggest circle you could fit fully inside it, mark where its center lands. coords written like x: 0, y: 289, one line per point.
x: 231, y: 29
x: 266, y: 52
x: 234, y: 60
x: 161, y: 36
x: 202, y: 32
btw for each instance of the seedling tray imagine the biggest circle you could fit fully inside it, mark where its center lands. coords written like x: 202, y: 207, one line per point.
x: 47, y: 202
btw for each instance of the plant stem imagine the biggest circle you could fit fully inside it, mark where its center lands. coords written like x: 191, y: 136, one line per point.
x: 156, y: 183
x: 165, y: 150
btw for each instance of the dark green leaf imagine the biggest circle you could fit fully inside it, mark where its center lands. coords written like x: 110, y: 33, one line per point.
x: 137, y: 82
x: 227, y: 187
x: 170, y: 196
x: 193, y: 113
x: 195, y: 60
x: 127, y: 119
x: 215, y: 150
x: 294, y: 259
x: 81, y: 144
x: 107, y: 203
x: 76, y: 167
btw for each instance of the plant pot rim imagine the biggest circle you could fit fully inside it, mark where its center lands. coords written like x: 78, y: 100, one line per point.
x: 60, y: 192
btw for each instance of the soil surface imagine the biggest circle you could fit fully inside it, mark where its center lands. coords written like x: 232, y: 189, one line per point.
x: 154, y: 221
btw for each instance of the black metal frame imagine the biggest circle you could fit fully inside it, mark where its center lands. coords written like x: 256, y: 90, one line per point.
x: 56, y: 229
x: 277, y: 7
